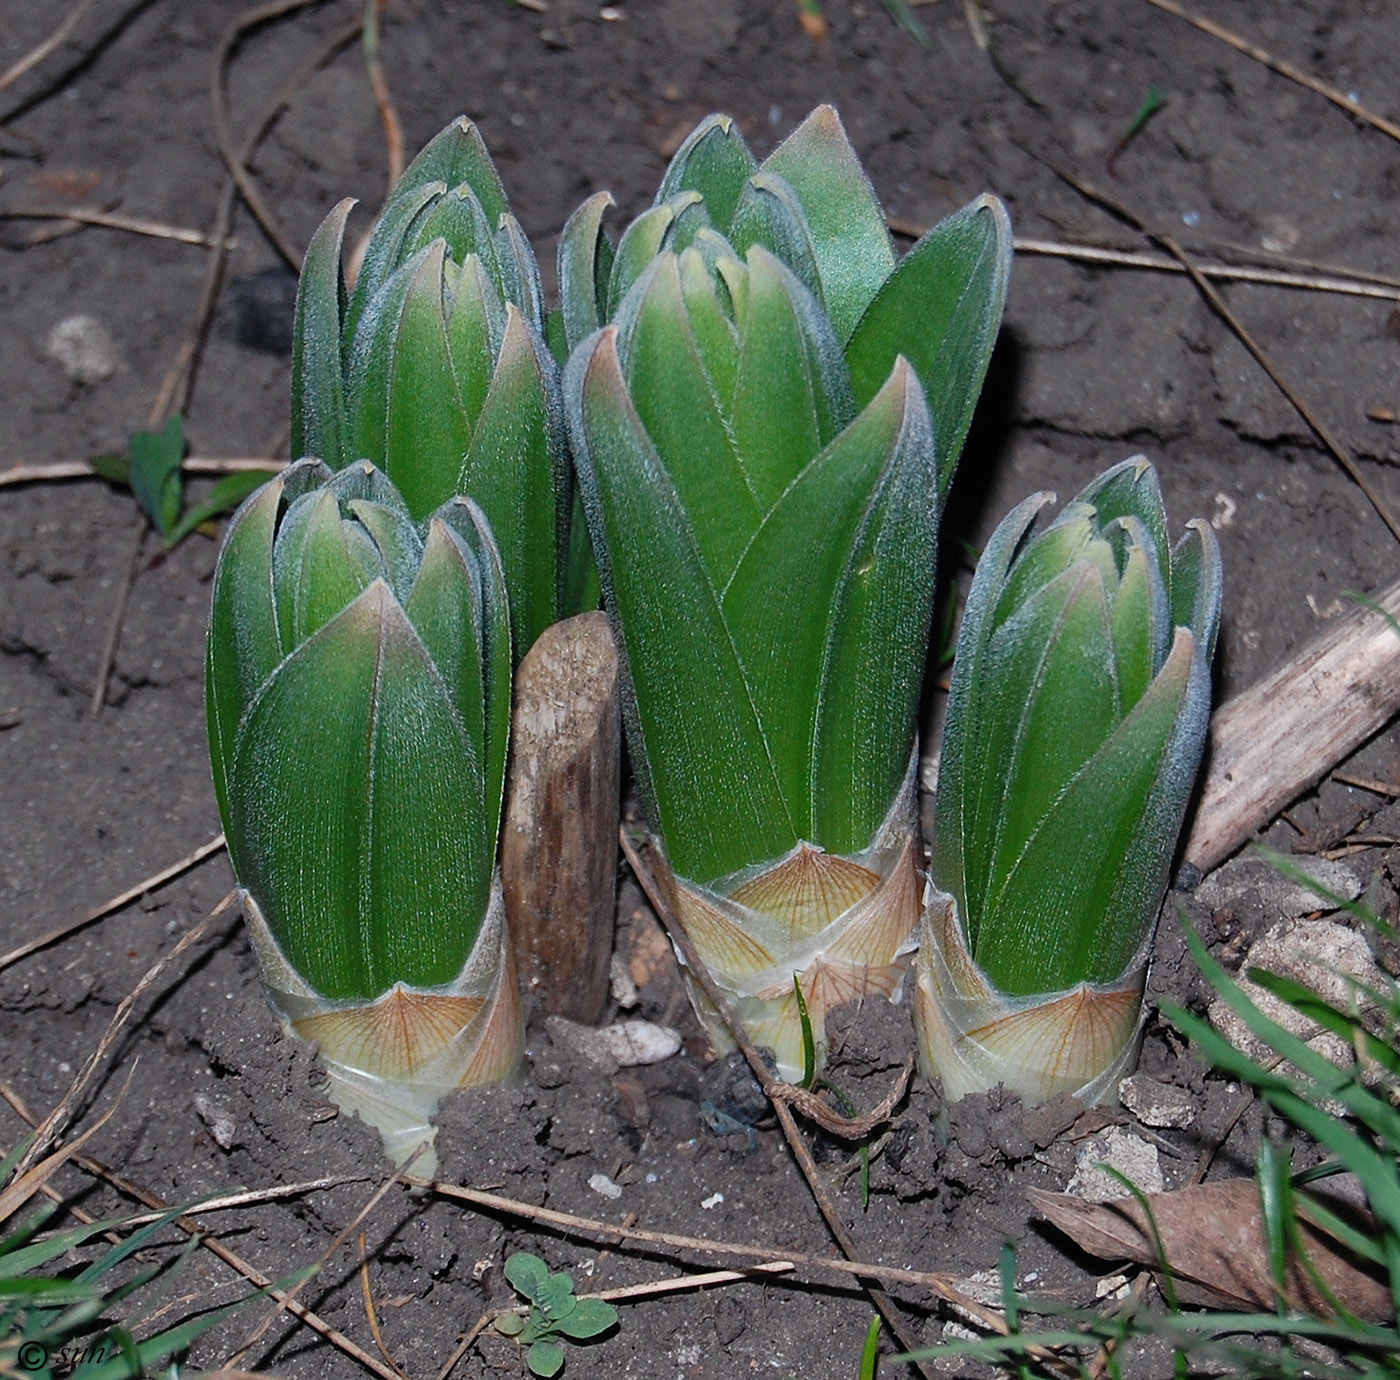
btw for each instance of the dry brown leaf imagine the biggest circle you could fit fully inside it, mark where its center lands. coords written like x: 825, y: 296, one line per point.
x: 1212, y: 1238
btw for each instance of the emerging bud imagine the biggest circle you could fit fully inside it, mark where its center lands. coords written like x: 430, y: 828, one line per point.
x: 435, y: 368
x: 1076, y: 722
x: 358, y: 687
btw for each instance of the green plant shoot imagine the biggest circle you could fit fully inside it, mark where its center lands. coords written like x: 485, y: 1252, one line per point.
x: 1076, y: 721
x: 358, y: 688
x: 554, y: 1313
x: 762, y: 461
x: 151, y: 470
x: 434, y: 368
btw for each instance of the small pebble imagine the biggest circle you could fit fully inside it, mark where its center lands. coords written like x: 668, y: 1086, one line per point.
x: 600, y: 1183
x: 714, y: 1200
x: 84, y: 349
x: 1130, y: 1155
x: 221, y: 1122
x: 623, y: 1045
x: 1157, y: 1104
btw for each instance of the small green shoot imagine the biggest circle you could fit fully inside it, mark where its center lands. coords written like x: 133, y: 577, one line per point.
x: 870, y: 1353
x: 809, y: 1046
x: 1151, y: 104
x: 151, y: 470
x: 554, y: 1313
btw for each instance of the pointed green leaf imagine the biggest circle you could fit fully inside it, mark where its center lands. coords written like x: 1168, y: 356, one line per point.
x: 1045, y: 557
x: 444, y: 607
x: 1135, y: 625
x: 1052, y: 674
x: 335, y: 819
x: 585, y: 261
x: 641, y: 242
x: 383, y: 255
x: 782, y: 606
x: 677, y: 404
x: 405, y: 411
x: 851, y: 244
x: 1083, y: 893
x: 318, y: 567
x: 155, y: 472
x: 400, y: 546
x: 520, y: 274
x: 244, y: 645
x: 1129, y: 489
x: 715, y: 336
x: 318, y: 380
x: 879, y: 630
x: 959, y: 770
x: 1196, y: 585
x: 941, y: 308
x: 455, y: 217
x: 476, y: 325
x: 514, y: 469
x: 715, y: 161
x: 468, y: 525
x: 791, y: 391
x: 456, y: 156
x: 770, y: 214
x: 695, y: 736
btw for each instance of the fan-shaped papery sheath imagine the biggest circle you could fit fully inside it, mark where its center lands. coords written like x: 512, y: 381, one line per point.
x: 842, y: 927
x: 1081, y: 1041
x: 391, y: 1060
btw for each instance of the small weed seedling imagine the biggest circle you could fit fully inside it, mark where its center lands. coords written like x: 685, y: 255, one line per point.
x: 554, y: 1313
x: 151, y: 471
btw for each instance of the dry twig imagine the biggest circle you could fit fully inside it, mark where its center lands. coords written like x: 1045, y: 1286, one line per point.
x: 134, y: 225
x: 1222, y: 309
x: 51, y: 44
x: 82, y: 469
x: 1284, y: 69
x: 121, y: 899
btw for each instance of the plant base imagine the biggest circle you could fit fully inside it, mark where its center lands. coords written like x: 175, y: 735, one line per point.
x: 971, y: 1037
x: 840, y: 927
x: 391, y: 1060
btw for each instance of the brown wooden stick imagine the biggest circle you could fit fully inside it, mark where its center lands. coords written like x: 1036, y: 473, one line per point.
x: 1280, y: 737
x: 559, y: 839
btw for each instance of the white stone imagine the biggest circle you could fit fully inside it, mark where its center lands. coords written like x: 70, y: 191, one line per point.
x: 1325, y: 957
x: 1130, y: 1155
x: 600, y: 1183
x: 1157, y: 1104
x: 84, y: 348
